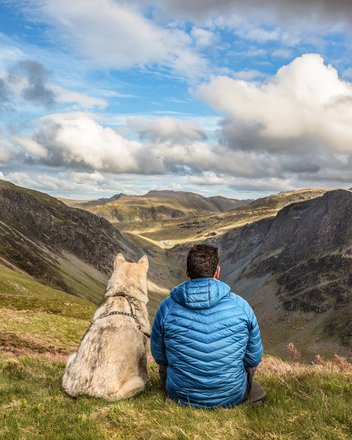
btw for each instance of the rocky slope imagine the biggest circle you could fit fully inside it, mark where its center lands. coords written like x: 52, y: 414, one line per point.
x: 304, y: 257
x: 156, y: 205
x: 67, y: 248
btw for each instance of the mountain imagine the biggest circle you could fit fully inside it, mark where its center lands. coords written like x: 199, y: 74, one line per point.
x: 171, y: 232
x: 63, y: 247
x: 296, y: 269
x: 156, y: 205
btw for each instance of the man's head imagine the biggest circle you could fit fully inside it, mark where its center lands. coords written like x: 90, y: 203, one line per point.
x: 203, y: 262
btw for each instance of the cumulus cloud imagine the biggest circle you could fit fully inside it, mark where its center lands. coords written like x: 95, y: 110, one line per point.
x: 77, y: 139
x: 166, y: 129
x: 292, y: 127
x: 286, y: 112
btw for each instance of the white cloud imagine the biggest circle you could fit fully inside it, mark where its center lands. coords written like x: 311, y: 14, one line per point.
x: 84, y: 101
x: 117, y: 35
x: 77, y: 139
x: 305, y: 105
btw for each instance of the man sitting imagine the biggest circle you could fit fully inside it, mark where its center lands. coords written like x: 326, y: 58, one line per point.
x: 206, y: 339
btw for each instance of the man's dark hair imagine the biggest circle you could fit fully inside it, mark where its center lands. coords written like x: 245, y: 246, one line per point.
x: 202, y: 261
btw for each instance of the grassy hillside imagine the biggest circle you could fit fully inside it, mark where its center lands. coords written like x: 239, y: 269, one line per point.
x: 38, y: 318
x: 66, y: 248
x: 40, y: 326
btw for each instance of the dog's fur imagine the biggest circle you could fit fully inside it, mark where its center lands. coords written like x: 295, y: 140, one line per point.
x: 111, y: 359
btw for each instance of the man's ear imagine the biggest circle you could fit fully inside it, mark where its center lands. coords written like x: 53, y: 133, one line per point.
x: 217, y: 273
x: 145, y: 262
x: 119, y: 260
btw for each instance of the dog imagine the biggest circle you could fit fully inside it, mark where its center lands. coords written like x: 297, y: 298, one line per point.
x: 111, y: 361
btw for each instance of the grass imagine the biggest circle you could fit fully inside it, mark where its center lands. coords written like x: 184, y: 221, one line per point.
x: 302, y: 404
x: 41, y: 325
x: 19, y: 291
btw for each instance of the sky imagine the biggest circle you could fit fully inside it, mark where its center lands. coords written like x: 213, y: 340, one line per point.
x: 226, y: 97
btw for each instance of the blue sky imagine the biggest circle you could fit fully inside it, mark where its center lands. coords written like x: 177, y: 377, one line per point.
x: 235, y: 98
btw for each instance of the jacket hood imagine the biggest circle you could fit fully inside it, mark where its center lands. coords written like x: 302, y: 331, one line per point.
x: 200, y: 293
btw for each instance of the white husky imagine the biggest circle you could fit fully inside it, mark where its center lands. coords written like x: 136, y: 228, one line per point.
x: 111, y: 359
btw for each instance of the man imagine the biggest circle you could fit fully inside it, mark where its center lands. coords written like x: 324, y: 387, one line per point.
x: 206, y: 339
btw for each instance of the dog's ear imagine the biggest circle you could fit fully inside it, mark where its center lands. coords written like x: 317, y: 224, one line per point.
x: 119, y: 260
x: 144, y: 261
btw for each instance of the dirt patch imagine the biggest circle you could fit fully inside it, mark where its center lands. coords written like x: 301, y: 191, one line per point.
x: 10, y: 343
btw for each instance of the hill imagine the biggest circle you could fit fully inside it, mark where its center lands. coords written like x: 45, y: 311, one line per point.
x: 63, y: 247
x: 156, y: 205
x: 167, y: 233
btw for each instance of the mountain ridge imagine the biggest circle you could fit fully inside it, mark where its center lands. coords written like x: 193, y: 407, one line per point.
x: 156, y: 205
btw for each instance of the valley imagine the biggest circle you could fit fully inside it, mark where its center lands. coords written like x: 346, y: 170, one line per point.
x: 288, y: 254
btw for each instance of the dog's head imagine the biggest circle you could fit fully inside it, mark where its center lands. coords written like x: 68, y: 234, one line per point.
x: 129, y: 278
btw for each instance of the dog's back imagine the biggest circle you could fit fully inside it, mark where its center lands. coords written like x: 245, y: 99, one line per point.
x: 111, y: 358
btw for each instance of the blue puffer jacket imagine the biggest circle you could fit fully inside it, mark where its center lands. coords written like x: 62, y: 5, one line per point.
x: 206, y: 336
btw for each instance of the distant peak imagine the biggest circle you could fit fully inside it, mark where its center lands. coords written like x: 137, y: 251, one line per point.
x: 116, y: 197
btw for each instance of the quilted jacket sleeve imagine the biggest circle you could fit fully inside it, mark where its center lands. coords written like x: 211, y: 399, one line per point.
x: 157, y: 344
x: 254, y: 350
